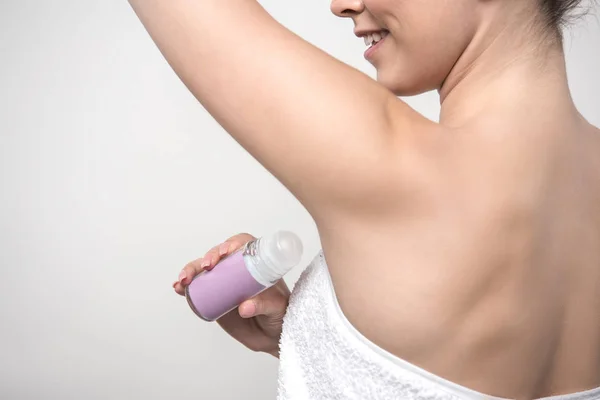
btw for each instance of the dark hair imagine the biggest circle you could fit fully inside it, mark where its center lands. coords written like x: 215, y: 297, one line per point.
x: 558, y: 13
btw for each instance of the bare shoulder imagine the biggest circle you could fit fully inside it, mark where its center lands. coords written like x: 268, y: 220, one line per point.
x: 495, y: 236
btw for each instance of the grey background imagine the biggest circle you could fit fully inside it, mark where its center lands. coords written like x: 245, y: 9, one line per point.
x: 113, y: 177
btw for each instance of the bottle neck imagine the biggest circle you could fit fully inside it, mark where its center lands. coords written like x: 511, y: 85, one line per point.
x: 260, y: 267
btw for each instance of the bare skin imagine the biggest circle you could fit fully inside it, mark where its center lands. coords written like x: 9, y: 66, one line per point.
x: 257, y: 322
x: 470, y: 248
x: 494, y: 281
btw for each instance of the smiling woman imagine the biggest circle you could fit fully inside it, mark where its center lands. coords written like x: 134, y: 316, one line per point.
x: 460, y: 259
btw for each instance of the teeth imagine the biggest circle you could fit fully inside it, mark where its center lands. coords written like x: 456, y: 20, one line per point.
x: 373, y: 38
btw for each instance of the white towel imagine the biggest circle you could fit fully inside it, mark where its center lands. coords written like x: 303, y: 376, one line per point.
x: 322, y: 356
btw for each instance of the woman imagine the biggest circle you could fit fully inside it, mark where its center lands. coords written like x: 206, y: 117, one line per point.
x: 465, y: 254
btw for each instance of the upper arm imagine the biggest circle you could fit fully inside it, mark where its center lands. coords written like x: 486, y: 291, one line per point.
x: 322, y: 128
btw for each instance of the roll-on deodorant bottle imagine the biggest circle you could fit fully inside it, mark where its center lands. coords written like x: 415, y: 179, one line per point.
x: 243, y: 274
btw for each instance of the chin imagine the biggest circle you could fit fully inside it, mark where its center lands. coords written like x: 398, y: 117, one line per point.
x: 405, y: 84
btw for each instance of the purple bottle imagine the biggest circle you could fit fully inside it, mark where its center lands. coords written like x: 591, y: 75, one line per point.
x: 243, y: 274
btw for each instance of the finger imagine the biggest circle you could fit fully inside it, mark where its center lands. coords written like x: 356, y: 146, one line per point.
x: 179, y: 288
x: 192, y: 269
x: 195, y: 267
x: 233, y: 244
x: 247, y: 309
x: 238, y: 241
x: 224, y: 249
x: 210, y: 260
x: 242, y: 238
x: 271, y: 304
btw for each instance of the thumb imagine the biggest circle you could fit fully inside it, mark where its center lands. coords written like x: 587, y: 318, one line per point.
x: 270, y: 307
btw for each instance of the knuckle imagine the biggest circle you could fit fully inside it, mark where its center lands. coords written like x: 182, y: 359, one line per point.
x: 212, y: 253
x: 189, y: 267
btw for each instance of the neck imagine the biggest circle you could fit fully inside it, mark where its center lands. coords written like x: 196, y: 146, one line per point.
x: 502, y: 68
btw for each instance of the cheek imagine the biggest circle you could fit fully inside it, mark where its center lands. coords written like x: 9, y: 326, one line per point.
x: 409, y: 68
x: 421, y: 55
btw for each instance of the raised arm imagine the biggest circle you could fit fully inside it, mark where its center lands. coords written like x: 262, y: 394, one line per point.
x: 322, y: 128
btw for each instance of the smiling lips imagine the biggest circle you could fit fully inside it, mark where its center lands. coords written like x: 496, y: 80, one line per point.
x: 373, y: 38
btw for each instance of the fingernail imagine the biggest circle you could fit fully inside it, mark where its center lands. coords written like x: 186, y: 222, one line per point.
x: 175, y: 284
x: 205, y: 263
x: 182, y: 276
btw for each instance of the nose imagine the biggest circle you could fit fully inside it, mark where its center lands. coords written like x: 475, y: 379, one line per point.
x: 347, y: 8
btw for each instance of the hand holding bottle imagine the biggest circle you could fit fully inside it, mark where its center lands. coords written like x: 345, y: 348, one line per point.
x: 257, y: 322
